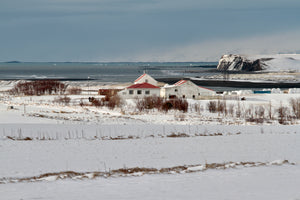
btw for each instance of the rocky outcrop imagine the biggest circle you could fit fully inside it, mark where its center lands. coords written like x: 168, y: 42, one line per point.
x: 239, y: 63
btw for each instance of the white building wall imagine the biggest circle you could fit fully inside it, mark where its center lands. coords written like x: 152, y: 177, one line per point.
x: 146, y: 79
x: 206, y: 92
x: 186, y: 90
x: 139, y: 92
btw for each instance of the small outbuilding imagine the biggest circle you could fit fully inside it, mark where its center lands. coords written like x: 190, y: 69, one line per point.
x: 185, y: 89
x: 140, y: 90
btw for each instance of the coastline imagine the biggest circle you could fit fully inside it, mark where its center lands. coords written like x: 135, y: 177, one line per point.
x: 216, y: 84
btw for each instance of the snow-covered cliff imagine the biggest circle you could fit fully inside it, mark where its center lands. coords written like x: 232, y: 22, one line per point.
x: 239, y: 63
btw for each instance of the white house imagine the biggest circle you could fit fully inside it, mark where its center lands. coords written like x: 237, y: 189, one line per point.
x: 145, y: 78
x: 140, y: 90
x: 185, y: 89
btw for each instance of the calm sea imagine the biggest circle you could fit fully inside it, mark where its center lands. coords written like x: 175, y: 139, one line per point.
x: 103, y: 72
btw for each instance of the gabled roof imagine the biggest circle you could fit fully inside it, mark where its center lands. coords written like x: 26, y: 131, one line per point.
x: 143, y: 85
x: 139, y: 78
x: 184, y: 81
x: 180, y: 82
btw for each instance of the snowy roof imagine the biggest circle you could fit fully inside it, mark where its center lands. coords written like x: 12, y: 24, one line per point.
x: 143, y: 85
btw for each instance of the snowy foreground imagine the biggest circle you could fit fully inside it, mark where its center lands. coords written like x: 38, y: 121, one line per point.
x: 250, y: 183
x: 53, y: 151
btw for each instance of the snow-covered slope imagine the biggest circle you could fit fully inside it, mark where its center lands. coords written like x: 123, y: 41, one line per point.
x: 279, y: 62
x: 276, y: 62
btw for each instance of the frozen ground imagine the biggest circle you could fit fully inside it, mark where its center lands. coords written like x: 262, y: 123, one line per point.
x: 38, y: 137
x: 31, y: 158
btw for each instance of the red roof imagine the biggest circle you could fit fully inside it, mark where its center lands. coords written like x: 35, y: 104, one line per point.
x: 140, y: 77
x: 143, y: 85
x: 180, y: 82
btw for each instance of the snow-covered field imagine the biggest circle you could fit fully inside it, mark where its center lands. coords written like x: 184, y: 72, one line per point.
x: 54, y: 151
x: 276, y: 182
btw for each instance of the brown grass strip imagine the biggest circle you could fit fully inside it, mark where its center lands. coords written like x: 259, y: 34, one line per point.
x: 137, y: 171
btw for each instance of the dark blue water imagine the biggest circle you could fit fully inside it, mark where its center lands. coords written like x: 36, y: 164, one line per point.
x: 103, y: 72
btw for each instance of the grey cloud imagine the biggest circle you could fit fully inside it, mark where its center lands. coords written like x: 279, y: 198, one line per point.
x: 283, y: 42
x: 107, y: 29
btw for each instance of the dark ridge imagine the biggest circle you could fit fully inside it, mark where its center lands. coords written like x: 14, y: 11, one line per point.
x: 266, y: 59
x: 13, y: 61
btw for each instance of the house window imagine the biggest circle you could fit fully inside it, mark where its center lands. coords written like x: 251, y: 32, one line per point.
x: 198, y: 94
x: 176, y: 90
x: 147, y: 92
x: 130, y: 91
x: 146, y: 80
x: 183, y: 96
x: 193, y: 96
x: 139, y: 92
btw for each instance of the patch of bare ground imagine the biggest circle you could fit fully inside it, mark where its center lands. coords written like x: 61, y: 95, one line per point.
x: 139, y: 171
x: 77, y: 118
x: 178, y: 135
x: 46, y: 136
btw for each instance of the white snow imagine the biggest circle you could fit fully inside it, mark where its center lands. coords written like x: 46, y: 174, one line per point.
x: 196, y: 168
x: 276, y: 183
x: 87, y: 140
x: 280, y: 62
x: 49, y: 178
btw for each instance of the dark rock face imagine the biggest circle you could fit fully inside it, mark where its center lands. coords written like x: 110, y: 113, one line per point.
x: 239, y: 63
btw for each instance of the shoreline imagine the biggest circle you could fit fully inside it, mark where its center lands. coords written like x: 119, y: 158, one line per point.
x: 218, y: 83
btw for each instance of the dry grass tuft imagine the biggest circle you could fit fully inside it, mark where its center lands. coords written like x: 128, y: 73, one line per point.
x: 138, y: 171
x: 174, y: 135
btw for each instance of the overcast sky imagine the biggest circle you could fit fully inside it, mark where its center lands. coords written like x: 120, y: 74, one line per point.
x: 146, y: 30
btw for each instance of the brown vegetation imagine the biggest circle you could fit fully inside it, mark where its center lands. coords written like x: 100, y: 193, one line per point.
x: 138, y: 171
x: 74, y: 90
x: 40, y: 87
x: 295, y: 104
x: 111, y: 101
x: 282, y: 114
x: 63, y: 100
x: 154, y: 102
